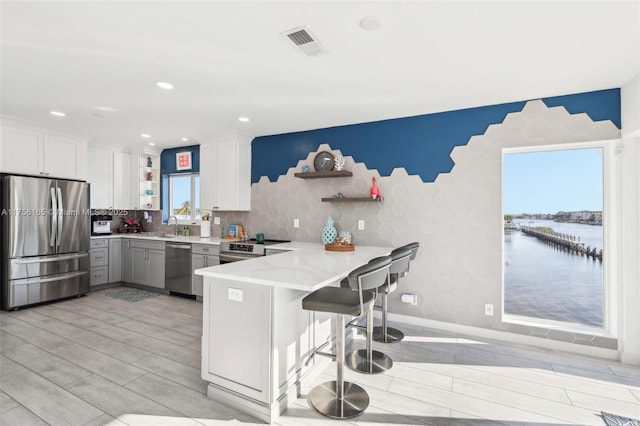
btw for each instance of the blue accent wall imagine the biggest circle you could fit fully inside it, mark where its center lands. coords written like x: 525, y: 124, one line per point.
x: 168, y: 167
x: 599, y: 105
x: 421, y: 144
x: 168, y: 160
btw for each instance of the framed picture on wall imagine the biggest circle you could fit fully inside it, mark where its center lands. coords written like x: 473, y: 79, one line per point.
x: 183, y: 160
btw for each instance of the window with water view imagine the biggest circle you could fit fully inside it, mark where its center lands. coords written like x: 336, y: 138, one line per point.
x: 184, y: 196
x: 553, y: 236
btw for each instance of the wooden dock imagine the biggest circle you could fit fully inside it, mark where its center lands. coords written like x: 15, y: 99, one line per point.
x: 565, y: 241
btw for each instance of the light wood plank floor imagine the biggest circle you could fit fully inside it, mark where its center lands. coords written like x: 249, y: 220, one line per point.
x: 97, y: 360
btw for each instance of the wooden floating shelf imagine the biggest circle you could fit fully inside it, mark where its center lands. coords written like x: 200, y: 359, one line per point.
x: 338, y: 199
x: 330, y: 174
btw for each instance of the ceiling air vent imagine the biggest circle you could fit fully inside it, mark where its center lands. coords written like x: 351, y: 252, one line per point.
x: 305, y: 42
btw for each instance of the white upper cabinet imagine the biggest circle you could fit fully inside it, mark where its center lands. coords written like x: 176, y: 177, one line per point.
x: 101, y: 178
x: 20, y: 151
x: 111, y: 179
x: 32, y: 151
x: 225, y: 174
x: 63, y: 158
x: 122, y: 181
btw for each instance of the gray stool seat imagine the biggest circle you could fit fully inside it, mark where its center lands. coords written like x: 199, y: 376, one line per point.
x: 400, y: 260
x: 339, y: 399
x: 338, y: 300
x: 367, y: 360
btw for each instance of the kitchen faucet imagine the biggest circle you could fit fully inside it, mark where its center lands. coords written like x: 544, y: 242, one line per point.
x: 176, y: 223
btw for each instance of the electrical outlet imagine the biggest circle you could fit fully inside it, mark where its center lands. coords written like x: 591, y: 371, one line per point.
x: 488, y: 309
x: 235, y: 294
x: 360, y: 225
x: 216, y: 220
x: 296, y: 223
x: 409, y: 298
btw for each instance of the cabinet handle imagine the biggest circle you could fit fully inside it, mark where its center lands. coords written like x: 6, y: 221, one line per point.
x: 97, y: 275
x: 215, y: 207
x: 99, y: 257
x: 206, y: 262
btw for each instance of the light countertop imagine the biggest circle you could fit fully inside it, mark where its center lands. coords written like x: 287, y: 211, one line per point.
x: 306, y: 266
x: 193, y: 239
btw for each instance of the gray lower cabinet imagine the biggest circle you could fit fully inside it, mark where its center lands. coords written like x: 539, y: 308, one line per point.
x: 99, y: 261
x: 202, y: 256
x: 127, y: 269
x: 147, y: 263
x: 115, y: 260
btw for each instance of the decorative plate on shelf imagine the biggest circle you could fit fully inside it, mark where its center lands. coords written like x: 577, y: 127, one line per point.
x: 323, y: 161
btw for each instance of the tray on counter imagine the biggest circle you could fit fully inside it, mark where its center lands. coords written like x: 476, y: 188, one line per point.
x: 339, y: 247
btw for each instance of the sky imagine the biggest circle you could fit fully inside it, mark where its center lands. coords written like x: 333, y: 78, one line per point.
x: 552, y: 181
x: 182, y: 190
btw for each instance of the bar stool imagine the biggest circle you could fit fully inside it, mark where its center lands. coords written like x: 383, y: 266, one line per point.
x: 339, y: 399
x: 401, y: 258
x: 366, y: 360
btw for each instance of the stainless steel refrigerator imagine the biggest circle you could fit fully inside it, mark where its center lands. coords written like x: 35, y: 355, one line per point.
x: 44, y: 227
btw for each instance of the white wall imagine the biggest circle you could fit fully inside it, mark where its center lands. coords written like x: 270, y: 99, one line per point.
x: 630, y: 102
x: 630, y: 221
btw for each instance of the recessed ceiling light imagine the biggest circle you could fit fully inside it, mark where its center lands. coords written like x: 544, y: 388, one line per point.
x: 243, y: 119
x: 164, y: 85
x: 369, y: 23
x: 105, y: 109
x: 152, y: 144
x: 144, y: 135
x: 58, y: 113
x: 185, y: 139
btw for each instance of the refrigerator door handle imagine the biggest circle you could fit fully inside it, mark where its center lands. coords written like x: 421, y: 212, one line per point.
x: 60, y: 216
x: 54, y: 218
x: 29, y: 261
x: 55, y: 278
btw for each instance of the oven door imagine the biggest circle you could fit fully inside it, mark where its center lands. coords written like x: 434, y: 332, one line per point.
x: 228, y: 257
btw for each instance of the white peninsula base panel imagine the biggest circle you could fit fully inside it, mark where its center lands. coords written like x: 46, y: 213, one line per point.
x: 256, y: 340
x: 256, y: 336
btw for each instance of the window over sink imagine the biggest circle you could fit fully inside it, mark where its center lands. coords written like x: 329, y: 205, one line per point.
x: 184, y: 197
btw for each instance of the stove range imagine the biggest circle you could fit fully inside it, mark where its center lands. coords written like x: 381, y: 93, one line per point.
x: 233, y: 251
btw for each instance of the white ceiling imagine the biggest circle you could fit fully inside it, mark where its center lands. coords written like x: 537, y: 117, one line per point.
x: 228, y: 59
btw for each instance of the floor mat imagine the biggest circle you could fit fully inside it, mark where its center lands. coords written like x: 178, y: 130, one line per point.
x: 614, y: 420
x: 132, y: 294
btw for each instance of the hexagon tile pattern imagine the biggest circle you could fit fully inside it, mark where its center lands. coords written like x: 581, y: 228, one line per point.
x: 457, y: 219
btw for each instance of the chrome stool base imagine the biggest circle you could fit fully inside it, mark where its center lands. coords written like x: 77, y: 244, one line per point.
x: 357, y: 361
x: 393, y: 335
x: 324, y: 399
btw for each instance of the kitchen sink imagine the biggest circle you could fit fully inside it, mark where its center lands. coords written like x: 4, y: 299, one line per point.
x: 158, y: 235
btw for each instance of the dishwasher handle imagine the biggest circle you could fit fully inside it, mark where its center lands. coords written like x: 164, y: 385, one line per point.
x: 180, y: 246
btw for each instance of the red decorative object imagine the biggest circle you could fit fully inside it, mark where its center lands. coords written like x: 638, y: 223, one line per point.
x: 183, y: 160
x: 129, y: 225
x: 374, y: 191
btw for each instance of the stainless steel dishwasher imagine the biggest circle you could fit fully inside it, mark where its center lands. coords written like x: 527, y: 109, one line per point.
x: 177, y: 269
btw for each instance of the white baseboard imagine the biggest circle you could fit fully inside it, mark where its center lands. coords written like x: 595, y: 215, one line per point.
x: 629, y: 358
x: 512, y: 338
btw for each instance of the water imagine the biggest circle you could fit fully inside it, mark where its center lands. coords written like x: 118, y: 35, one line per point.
x: 542, y: 281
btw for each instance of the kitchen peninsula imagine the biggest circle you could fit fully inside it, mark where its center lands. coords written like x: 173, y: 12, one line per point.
x: 256, y: 337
